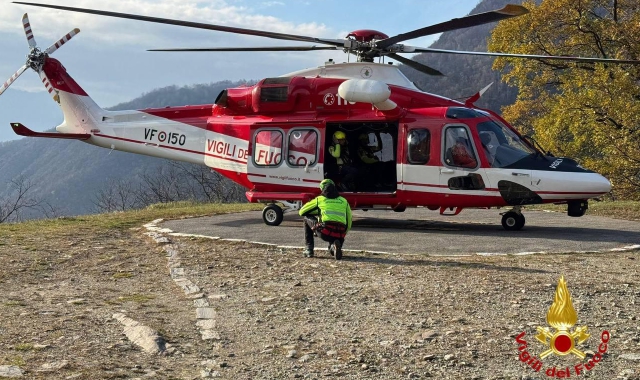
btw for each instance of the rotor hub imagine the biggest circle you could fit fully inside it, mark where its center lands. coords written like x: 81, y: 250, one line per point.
x: 36, y: 58
x: 362, y: 42
x: 367, y: 35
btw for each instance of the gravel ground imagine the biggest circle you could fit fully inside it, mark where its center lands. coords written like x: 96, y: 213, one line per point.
x: 281, y: 316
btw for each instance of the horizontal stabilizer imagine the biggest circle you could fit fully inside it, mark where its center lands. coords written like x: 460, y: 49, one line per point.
x: 21, y: 130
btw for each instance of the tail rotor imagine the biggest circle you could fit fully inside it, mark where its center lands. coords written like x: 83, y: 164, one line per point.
x: 61, y: 41
x: 28, y: 32
x: 36, y: 57
x: 13, y: 78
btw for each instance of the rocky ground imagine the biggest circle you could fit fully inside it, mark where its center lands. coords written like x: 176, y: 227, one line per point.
x: 276, y: 315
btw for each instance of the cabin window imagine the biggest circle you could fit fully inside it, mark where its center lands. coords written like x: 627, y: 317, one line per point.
x: 268, y: 148
x: 418, y: 142
x: 462, y: 113
x: 458, y: 148
x: 303, y: 145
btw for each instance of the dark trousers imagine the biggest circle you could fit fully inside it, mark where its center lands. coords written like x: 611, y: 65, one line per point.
x: 348, y: 177
x: 310, y: 223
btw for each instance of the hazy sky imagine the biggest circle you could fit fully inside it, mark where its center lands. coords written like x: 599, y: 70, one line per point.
x: 108, y: 58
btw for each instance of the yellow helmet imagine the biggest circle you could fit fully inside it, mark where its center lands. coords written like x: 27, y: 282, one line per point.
x: 339, y: 135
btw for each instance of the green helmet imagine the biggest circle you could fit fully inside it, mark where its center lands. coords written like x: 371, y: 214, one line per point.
x: 326, y: 183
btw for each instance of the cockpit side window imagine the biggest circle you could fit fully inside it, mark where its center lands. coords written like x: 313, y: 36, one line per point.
x: 458, y: 149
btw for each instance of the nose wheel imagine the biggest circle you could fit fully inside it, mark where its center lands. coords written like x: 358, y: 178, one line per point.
x: 513, y: 221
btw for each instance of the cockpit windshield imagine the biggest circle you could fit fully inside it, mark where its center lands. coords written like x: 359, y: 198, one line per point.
x: 501, y: 145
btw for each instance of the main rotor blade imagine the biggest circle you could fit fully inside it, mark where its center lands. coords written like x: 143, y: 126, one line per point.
x: 531, y: 56
x: 261, y: 48
x: 510, y: 10
x: 62, y: 41
x: 26, y: 25
x: 416, y: 65
x: 13, y: 78
x: 189, y: 24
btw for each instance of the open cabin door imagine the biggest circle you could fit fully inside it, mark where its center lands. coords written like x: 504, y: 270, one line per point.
x: 368, y: 156
x: 285, y: 158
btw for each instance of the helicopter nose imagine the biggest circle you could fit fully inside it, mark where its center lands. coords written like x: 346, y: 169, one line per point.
x: 602, y: 184
x: 593, y: 183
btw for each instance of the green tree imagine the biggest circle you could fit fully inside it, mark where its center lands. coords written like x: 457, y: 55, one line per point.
x: 590, y: 112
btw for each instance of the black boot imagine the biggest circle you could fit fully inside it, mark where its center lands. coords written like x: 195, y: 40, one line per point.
x: 336, y: 249
x: 308, y: 236
x: 308, y: 252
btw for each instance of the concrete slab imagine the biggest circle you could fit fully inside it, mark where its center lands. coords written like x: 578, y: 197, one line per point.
x: 420, y: 231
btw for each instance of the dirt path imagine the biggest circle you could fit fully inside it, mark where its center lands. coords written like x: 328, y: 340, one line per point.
x: 278, y: 315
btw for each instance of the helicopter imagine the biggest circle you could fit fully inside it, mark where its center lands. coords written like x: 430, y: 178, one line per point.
x: 273, y: 138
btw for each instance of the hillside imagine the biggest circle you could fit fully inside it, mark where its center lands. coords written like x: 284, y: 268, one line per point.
x: 67, y: 174
x: 465, y: 75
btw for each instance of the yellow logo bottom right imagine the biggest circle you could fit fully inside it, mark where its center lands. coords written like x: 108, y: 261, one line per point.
x: 562, y: 317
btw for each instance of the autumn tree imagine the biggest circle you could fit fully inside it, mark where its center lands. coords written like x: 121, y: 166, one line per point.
x: 590, y: 112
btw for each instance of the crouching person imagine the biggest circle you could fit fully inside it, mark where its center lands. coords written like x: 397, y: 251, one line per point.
x: 327, y: 216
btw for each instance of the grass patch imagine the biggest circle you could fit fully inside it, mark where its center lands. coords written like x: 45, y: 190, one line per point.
x: 629, y: 210
x: 120, y: 220
x: 137, y: 298
x: 14, y: 304
x: 17, y: 361
x: 23, y: 347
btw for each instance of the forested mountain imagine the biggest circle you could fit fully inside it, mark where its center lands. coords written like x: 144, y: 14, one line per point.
x: 179, y: 96
x: 465, y: 75
x: 69, y: 174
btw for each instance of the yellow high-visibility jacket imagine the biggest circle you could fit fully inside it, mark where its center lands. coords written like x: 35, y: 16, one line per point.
x: 329, y: 210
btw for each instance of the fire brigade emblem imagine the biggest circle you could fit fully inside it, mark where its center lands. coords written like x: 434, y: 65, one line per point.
x: 366, y: 72
x: 329, y: 99
x: 562, y: 316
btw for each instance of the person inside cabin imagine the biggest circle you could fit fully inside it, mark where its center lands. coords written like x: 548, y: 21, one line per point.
x: 339, y: 150
x: 327, y: 216
x: 485, y: 139
x: 370, y: 171
x: 462, y: 154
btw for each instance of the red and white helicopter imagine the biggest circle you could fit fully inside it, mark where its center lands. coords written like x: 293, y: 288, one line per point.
x: 273, y: 137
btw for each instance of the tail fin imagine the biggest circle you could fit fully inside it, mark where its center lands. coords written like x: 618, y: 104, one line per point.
x: 81, y: 113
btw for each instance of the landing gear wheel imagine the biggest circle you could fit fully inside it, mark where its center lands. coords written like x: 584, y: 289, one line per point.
x: 272, y: 215
x: 512, y: 221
